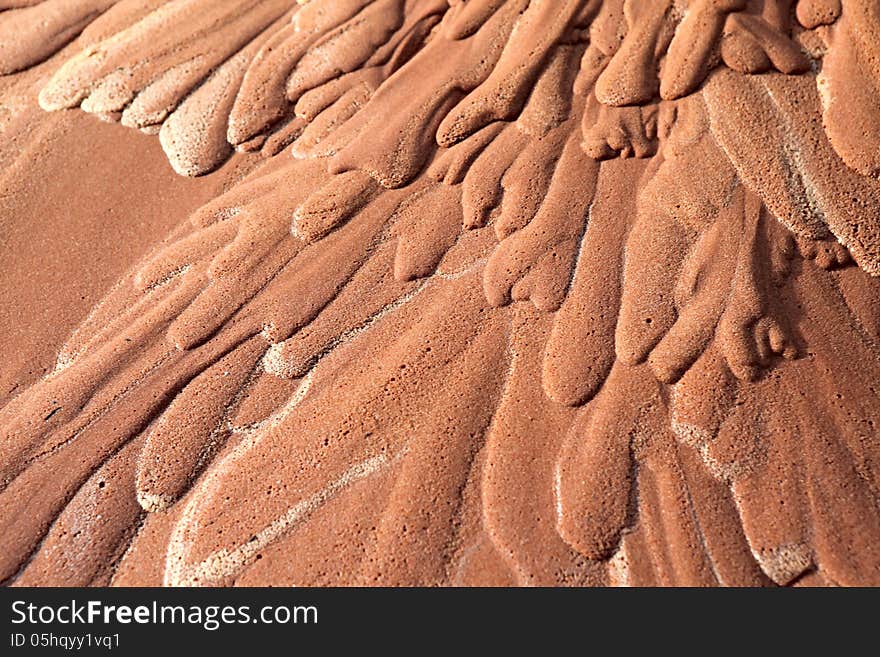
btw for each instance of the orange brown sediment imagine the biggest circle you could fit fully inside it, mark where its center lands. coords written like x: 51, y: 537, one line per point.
x: 550, y: 292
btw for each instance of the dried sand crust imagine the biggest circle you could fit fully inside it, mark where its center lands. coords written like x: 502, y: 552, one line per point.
x: 522, y: 292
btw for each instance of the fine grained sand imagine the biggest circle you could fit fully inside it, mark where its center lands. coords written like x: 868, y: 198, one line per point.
x: 494, y: 292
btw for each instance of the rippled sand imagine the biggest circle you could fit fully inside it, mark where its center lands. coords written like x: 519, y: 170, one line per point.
x: 470, y: 292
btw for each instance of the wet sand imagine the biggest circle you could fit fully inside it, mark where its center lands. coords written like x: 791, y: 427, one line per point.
x: 491, y: 293
x: 72, y: 224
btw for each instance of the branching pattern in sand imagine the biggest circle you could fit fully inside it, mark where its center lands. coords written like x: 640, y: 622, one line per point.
x: 582, y: 290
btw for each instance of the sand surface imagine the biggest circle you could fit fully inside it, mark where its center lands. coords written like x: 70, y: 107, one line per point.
x: 431, y: 292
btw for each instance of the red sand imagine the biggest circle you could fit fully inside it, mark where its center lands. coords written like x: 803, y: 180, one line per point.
x: 515, y: 292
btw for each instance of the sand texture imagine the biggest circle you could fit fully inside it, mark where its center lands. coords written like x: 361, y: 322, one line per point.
x: 431, y: 292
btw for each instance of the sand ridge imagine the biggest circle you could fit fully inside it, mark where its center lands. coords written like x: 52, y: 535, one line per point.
x: 578, y: 274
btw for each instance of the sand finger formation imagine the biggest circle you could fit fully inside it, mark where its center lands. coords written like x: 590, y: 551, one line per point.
x: 493, y: 292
